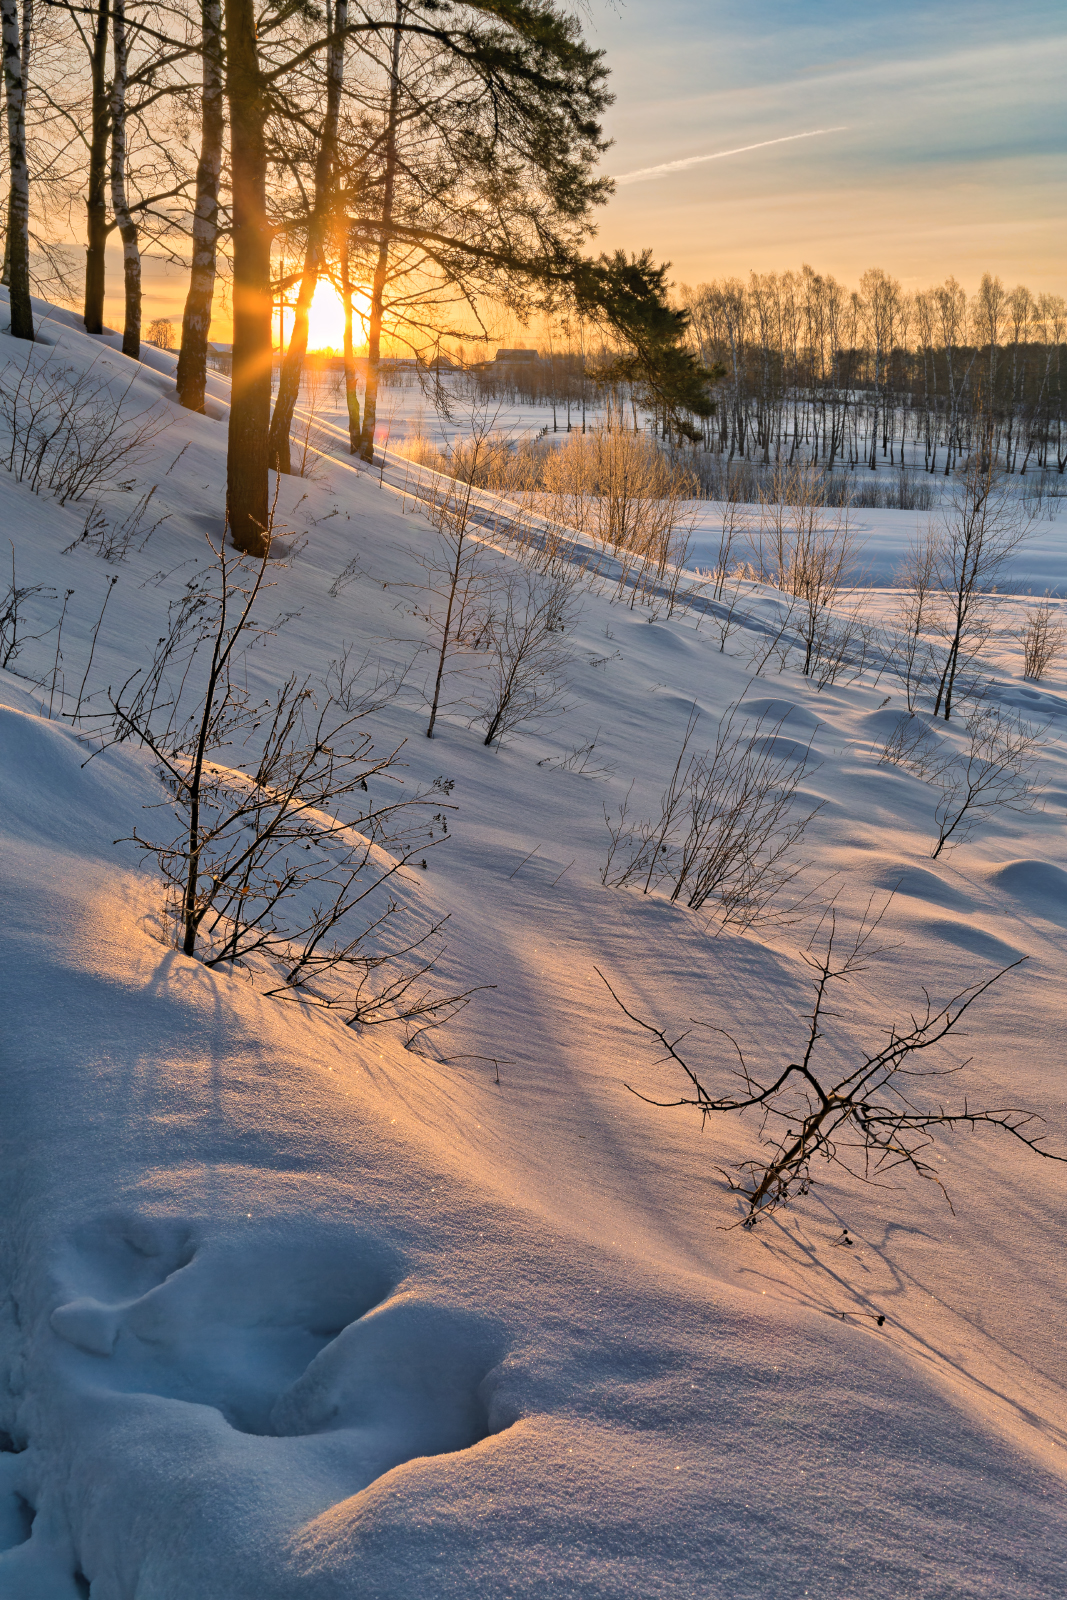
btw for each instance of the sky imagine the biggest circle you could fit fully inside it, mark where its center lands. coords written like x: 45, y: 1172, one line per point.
x: 945, y: 150
x: 950, y: 154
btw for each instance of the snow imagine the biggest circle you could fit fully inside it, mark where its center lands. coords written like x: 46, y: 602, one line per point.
x: 291, y: 1310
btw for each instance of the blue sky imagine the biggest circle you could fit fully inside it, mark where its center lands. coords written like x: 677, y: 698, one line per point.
x: 953, y: 157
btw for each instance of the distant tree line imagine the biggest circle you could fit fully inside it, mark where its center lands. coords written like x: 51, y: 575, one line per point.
x: 823, y: 374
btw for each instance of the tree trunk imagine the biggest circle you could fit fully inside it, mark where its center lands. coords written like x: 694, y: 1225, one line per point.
x: 196, y: 320
x: 131, y: 254
x: 374, y: 331
x: 351, y: 392
x: 246, y: 456
x: 18, y: 205
x: 292, y: 366
x: 96, y: 195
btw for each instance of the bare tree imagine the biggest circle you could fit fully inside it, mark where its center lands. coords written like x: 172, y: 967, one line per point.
x: 995, y: 771
x: 456, y: 608
x: 131, y: 254
x: 196, y: 319
x: 985, y: 524
x: 318, y: 225
x: 867, y: 1115
x: 160, y: 333
x: 250, y: 382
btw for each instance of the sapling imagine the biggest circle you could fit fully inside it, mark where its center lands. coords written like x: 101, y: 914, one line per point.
x: 909, y: 652
x: 59, y: 656
x: 455, y: 608
x: 985, y: 524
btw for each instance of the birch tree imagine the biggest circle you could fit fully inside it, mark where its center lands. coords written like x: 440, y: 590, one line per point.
x: 131, y: 254
x: 196, y: 320
x: 18, y: 207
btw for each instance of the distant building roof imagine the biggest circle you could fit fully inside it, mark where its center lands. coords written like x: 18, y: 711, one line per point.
x: 516, y: 355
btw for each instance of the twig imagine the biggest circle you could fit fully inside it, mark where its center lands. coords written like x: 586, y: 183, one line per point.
x: 523, y: 862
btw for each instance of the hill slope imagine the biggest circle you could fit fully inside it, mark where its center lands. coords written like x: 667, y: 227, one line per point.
x: 293, y: 1310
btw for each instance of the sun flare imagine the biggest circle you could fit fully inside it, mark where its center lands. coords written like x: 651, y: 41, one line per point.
x: 326, y: 318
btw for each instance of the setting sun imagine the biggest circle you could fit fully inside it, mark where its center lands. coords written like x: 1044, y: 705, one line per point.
x: 326, y: 319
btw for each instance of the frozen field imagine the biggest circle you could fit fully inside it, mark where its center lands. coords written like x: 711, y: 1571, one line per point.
x: 291, y: 1310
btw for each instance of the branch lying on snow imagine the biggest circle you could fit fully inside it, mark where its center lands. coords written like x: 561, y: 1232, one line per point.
x: 865, y: 1118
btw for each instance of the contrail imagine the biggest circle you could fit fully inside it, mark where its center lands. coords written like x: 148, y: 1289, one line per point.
x: 717, y: 155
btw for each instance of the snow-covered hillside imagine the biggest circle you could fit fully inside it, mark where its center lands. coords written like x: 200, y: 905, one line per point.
x: 292, y: 1310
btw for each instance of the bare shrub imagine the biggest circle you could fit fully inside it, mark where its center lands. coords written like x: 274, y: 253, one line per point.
x: 810, y: 551
x: 1042, y: 639
x: 860, y: 1109
x: 727, y: 831
x: 636, y: 491
x: 909, y: 651
x: 618, y: 487
x: 583, y: 759
x: 68, y: 435
x: 113, y: 541
x: 914, y: 746
x: 996, y: 772
x: 279, y: 849
x: 12, y: 605
x: 528, y: 654
x: 736, y: 524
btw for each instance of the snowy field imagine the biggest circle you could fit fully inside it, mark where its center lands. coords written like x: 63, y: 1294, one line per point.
x: 882, y: 536
x: 291, y: 1310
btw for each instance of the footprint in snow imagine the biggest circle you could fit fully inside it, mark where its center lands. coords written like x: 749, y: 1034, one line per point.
x: 285, y: 1335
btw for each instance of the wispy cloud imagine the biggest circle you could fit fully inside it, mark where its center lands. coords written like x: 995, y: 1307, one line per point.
x: 643, y: 173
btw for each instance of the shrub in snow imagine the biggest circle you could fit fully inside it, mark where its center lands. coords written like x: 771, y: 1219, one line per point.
x: 279, y: 849
x: 868, y: 1112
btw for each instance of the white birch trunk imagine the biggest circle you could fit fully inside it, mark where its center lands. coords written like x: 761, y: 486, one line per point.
x: 18, y: 205
x: 131, y: 254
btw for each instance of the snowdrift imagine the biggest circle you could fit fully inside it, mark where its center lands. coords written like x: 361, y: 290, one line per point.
x: 294, y: 1311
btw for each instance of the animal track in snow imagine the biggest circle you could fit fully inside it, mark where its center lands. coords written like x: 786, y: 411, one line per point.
x: 16, y: 1512
x: 286, y: 1335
